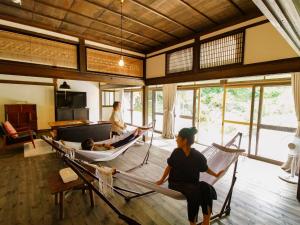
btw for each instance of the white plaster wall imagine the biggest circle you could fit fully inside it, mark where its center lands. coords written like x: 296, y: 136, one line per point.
x: 155, y: 66
x: 42, y: 96
x: 264, y: 43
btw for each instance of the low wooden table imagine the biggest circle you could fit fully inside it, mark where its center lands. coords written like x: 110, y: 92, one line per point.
x: 58, y: 188
x: 65, y: 123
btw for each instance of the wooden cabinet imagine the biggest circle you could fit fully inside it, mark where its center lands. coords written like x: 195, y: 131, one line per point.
x: 21, y: 115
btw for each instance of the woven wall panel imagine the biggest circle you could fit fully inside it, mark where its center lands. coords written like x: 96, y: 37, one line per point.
x: 24, y: 48
x: 180, y: 61
x: 106, y: 62
x: 223, y: 51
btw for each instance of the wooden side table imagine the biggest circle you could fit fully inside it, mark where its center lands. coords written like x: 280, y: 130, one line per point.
x: 58, y: 188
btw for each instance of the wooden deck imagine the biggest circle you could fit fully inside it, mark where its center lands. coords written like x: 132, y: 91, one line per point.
x: 259, y: 196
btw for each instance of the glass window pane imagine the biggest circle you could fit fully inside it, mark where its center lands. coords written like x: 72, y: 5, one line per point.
x: 184, y: 102
x: 159, y: 102
x: 137, y: 118
x: 103, y: 98
x: 150, y: 92
x: 106, y: 98
x: 182, y: 123
x: 274, y: 144
x: 158, y: 122
x: 127, y: 107
x: 230, y: 130
x: 210, y: 115
x: 137, y: 108
x: 127, y: 101
x: 238, y: 104
x: 111, y: 96
x: 127, y: 116
x: 278, y: 107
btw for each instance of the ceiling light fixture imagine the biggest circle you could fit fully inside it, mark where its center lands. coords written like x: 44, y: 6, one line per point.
x: 121, y: 61
x: 17, y: 2
x: 64, y: 85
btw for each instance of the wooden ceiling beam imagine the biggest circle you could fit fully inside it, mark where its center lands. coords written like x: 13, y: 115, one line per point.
x: 213, y: 29
x: 80, y: 25
x: 101, y: 22
x: 34, y: 70
x: 198, y: 11
x: 34, y: 24
x: 156, y: 12
x: 237, y: 7
x: 66, y: 13
x: 148, y: 26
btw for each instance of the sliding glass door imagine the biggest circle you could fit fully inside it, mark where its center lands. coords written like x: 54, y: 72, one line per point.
x: 137, y: 108
x: 236, y: 114
x: 277, y: 122
x: 184, y: 109
x: 262, y: 111
x: 127, y: 107
x: 133, y: 107
x: 209, y: 115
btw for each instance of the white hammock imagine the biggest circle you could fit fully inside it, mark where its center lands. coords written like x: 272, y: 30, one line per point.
x: 218, y: 158
x: 98, y: 156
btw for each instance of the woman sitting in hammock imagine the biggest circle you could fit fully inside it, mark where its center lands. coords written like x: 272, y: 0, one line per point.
x: 183, y: 171
x: 89, y: 143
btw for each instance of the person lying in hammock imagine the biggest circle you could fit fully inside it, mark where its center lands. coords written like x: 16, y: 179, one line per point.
x: 183, y: 173
x: 89, y: 143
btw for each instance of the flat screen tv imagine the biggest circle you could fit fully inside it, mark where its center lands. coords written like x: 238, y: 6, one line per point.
x: 70, y: 99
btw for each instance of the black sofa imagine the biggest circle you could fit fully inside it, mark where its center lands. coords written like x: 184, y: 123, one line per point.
x: 98, y: 132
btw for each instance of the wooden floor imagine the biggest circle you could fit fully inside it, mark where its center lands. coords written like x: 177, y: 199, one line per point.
x: 259, y: 197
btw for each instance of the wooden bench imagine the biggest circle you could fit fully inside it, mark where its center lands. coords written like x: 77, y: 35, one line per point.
x: 58, y: 188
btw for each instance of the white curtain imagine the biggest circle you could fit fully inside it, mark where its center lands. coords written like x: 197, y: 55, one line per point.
x: 169, y: 99
x: 296, y: 92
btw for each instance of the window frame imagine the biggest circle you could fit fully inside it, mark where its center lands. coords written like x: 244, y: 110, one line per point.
x: 131, y: 91
x: 167, y: 57
x: 103, y: 98
x: 224, y: 35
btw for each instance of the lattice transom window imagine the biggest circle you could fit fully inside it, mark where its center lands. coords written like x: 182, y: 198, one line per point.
x: 223, y: 51
x: 180, y: 61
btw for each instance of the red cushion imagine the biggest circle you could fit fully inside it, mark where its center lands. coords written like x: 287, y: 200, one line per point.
x: 10, y: 129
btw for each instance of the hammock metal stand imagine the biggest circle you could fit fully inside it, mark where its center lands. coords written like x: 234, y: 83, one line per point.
x: 80, y: 170
x: 226, y: 207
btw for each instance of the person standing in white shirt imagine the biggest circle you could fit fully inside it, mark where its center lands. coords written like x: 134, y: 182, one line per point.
x: 118, y: 125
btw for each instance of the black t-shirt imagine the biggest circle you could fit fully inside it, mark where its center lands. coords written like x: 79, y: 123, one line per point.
x: 186, y: 168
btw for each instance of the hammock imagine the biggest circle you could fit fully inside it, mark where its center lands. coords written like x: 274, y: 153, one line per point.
x: 100, y: 156
x: 218, y: 158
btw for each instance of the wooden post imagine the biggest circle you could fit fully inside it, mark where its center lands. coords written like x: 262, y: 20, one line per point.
x: 82, y: 56
x: 55, y: 89
x: 196, y: 55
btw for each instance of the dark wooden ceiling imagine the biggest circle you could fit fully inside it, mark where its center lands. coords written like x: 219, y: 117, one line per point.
x: 148, y: 24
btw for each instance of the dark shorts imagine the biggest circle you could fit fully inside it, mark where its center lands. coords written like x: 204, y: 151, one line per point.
x: 199, y: 194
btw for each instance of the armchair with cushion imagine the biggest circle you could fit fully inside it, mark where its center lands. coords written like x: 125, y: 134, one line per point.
x: 12, y: 136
